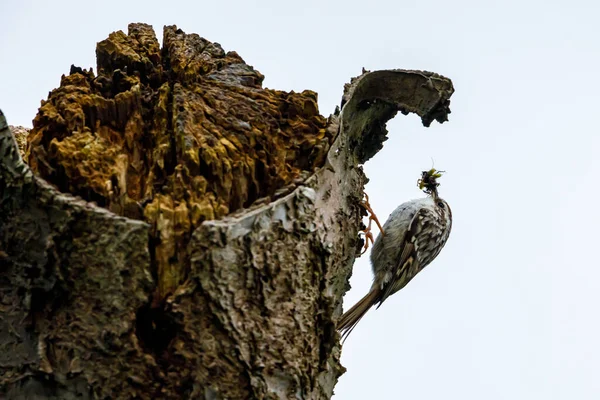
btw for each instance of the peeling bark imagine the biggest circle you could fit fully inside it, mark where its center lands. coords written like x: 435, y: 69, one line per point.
x: 241, y: 300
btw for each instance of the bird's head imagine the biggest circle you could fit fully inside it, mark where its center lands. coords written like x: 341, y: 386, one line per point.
x: 429, y: 184
x: 443, y: 208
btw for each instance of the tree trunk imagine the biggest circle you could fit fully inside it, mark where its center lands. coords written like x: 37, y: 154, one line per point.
x: 213, y: 233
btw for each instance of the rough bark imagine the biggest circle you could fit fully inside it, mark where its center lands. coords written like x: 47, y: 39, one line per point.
x: 214, y: 235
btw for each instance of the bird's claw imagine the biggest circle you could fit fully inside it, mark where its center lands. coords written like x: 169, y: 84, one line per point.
x: 368, y: 236
x: 367, y: 230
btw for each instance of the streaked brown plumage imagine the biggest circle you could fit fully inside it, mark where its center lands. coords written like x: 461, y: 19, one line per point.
x: 415, y: 233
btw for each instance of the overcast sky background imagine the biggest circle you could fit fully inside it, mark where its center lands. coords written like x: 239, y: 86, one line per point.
x: 509, y: 310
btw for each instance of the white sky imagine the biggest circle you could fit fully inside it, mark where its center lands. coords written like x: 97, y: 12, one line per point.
x: 509, y: 310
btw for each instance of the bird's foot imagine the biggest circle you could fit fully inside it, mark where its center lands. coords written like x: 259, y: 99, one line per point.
x: 372, y: 217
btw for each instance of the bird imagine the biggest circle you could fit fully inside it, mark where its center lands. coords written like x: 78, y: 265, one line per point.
x: 411, y: 238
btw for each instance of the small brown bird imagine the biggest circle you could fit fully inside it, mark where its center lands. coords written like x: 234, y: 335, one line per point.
x: 415, y: 233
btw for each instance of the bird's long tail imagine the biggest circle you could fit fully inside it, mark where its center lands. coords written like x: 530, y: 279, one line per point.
x: 348, y: 321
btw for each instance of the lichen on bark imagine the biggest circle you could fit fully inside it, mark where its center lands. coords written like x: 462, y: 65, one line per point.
x: 214, y: 235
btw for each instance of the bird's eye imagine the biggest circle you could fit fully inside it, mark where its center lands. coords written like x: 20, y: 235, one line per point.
x: 440, y: 204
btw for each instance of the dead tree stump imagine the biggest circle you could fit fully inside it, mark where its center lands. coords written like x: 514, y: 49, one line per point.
x: 178, y: 231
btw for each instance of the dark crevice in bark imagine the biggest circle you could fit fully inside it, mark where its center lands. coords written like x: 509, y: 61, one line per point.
x: 155, y: 328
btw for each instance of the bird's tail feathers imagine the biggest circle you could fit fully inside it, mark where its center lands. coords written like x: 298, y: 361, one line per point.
x: 348, y: 321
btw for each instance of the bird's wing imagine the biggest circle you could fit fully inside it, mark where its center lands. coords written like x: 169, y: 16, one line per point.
x: 399, y: 276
